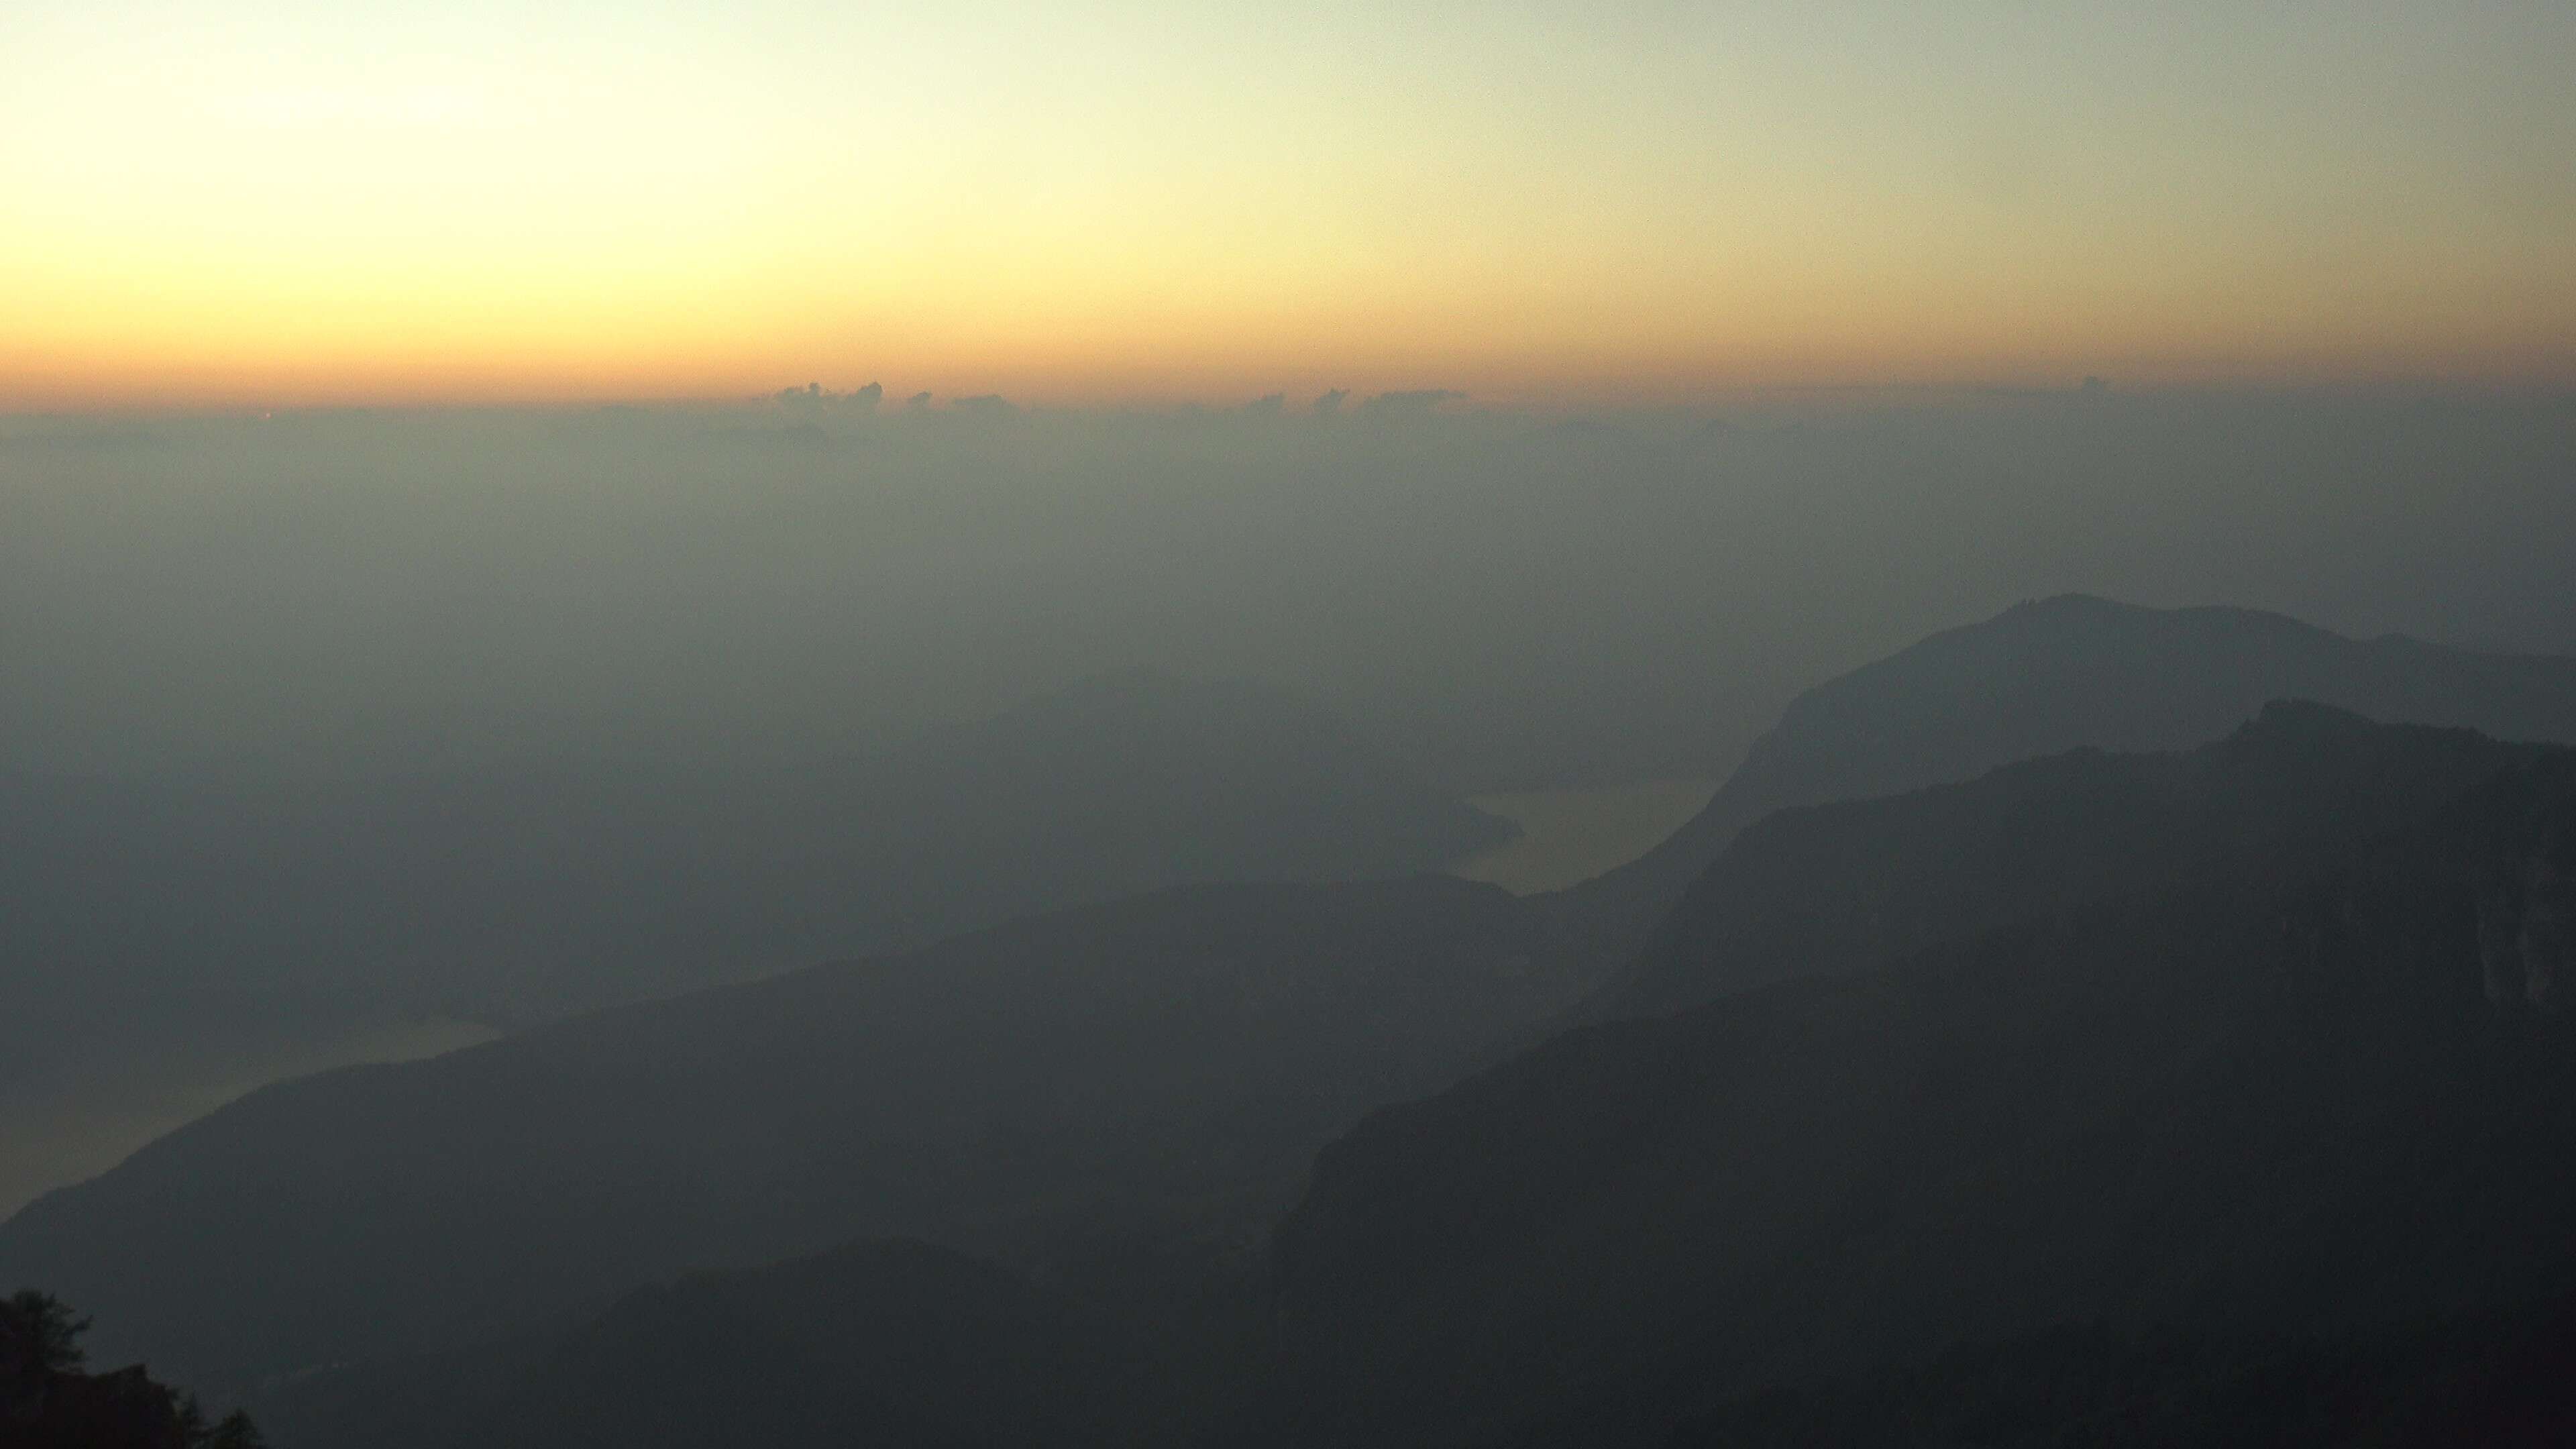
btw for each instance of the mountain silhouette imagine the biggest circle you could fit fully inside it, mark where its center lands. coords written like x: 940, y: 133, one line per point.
x: 527, y: 893
x: 2263, y: 1131
x: 2323, y: 1087
x: 1837, y: 888
x: 898, y: 1343
x: 2242, y: 1042
x: 2495, y: 1378
x: 1157, y: 1067
x: 2059, y: 674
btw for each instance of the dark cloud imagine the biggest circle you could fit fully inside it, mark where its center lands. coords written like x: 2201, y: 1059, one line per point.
x: 1331, y: 402
x: 812, y: 398
x: 1266, y: 407
x: 1417, y: 403
x: 990, y: 406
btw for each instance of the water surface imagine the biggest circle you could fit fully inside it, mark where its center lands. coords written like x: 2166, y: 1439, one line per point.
x: 62, y: 1127
x: 1573, y: 835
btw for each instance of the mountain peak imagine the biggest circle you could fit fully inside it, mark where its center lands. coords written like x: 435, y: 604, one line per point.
x: 2074, y: 604
x: 2073, y: 670
x: 2307, y: 719
x: 2095, y: 611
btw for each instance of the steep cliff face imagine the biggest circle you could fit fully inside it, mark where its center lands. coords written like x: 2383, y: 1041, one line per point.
x: 2509, y: 849
x: 2524, y: 943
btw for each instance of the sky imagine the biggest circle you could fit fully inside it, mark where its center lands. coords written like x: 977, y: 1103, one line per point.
x: 284, y: 202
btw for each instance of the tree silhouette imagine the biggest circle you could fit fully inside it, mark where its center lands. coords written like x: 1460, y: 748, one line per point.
x: 40, y: 1339
x: 53, y: 1334
x: 235, y: 1432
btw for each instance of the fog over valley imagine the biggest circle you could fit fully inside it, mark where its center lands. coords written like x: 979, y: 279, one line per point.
x: 1538, y: 726
x: 1511, y: 601
x: 397, y: 721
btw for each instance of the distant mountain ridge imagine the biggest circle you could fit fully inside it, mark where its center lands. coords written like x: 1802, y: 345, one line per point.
x: 2326, y: 1084
x: 2067, y: 672
x: 1832, y: 889
x: 1162, y: 1066
x: 1993, y: 1031
x: 531, y: 893
x: 2279, y: 1062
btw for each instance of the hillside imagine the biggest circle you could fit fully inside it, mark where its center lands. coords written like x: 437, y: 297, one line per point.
x: 898, y: 1344
x: 1158, y: 1068
x: 1838, y: 888
x: 2329, y: 1089
x: 2495, y: 1378
x: 2065, y: 673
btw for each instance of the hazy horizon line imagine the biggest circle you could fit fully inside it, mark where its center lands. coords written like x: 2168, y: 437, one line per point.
x: 1349, y: 402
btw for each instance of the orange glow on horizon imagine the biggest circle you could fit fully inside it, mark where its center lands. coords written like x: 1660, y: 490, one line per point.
x: 285, y: 203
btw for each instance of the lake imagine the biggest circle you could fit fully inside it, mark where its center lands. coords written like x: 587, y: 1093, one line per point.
x: 66, y: 1127
x: 1569, y: 836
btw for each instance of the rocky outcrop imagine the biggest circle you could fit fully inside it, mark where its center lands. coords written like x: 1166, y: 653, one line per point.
x: 2525, y: 916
